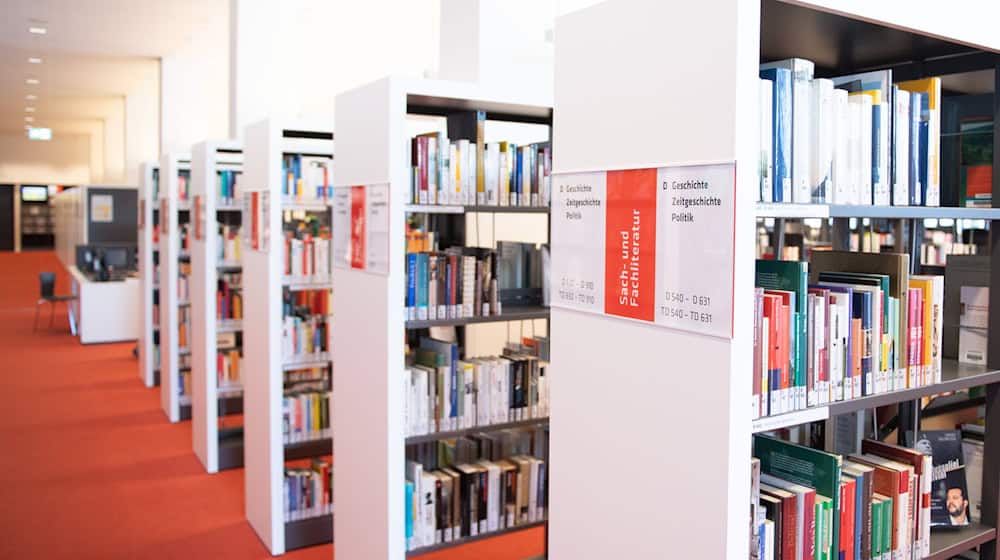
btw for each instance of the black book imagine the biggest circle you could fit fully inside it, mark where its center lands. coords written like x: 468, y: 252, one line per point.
x: 949, y: 491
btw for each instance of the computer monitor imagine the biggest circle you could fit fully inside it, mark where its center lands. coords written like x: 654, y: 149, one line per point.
x: 34, y: 193
x: 116, y: 257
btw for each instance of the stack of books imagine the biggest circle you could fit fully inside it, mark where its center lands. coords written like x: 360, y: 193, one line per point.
x: 309, y: 491
x: 229, y: 296
x: 844, y: 326
x: 307, y: 179
x: 857, y: 139
x: 305, y: 416
x: 807, y: 503
x: 445, y: 393
x: 227, y: 186
x: 228, y: 243
x: 478, y: 173
x: 475, y: 485
x: 459, y: 282
x: 307, y: 256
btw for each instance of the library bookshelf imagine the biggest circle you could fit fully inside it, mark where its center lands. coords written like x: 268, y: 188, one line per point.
x: 267, y: 212
x: 680, y: 403
x: 149, y: 281
x: 214, y: 261
x: 174, y: 304
x: 373, y: 150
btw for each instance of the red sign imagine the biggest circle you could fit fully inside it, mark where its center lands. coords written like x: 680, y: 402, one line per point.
x: 358, y: 227
x: 630, y: 244
x: 255, y: 220
x: 198, y: 217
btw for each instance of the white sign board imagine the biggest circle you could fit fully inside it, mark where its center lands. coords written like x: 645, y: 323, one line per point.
x: 102, y: 208
x: 361, y: 228
x: 653, y: 245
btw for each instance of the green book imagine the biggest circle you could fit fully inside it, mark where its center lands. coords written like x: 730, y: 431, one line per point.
x: 887, y: 528
x: 877, y: 528
x: 822, y: 527
x: 792, y: 276
x: 805, y: 466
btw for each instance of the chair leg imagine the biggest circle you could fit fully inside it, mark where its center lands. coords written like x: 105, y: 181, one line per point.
x: 52, y: 313
x: 34, y: 325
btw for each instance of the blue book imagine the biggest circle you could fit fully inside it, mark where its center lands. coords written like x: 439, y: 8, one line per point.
x: 423, y: 283
x: 411, y: 286
x: 781, y: 134
x: 409, y: 512
x: 916, y: 159
x: 859, y: 500
x: 518, y: 173
x: 877, y: 178
x: 924, y: 163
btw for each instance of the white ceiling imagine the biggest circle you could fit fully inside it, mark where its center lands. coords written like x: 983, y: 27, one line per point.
x: 93, y: 54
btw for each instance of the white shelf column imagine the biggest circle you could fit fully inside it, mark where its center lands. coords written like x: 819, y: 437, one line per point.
x: 659, y: 417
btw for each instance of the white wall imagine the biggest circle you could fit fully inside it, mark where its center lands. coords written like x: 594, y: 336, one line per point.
x: 194, y: 93
x: 114, y: 144
x: 65, y: 160
x: 301, y: 53
x: 141, y: 113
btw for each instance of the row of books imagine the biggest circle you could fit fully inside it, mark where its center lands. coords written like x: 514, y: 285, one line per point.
x: 307, y: 258
x: 879, y: 504
x: 306, y: 303
x: 228, y: 244
x: 227, y: 186
x: 229, y: 296
x: 477, y: 173
x: 446, y: 393
x: 229, y: 368
x: 939, y: 244
x: 307, y: 178
x: 303, y: 336
x: 844, y: 326
x: 184, y: 238
x: 467, y: 499
x: 183, y: 185
x: 305, y: 416
x: 309, y: 491
x: 452, y: 284
x: 856, y: 139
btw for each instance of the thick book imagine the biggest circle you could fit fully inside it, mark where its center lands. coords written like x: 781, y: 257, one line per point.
x: 805, y: 544
x: 922, y: 467
x: 805, y: 466
x: 949, y: 493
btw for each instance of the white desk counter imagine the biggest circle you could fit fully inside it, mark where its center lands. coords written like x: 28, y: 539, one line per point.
x: 105, y: 311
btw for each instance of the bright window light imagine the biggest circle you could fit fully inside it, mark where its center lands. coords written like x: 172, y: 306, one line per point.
x: 37, y: 133
x: 37, y: 30
x: 32, y: 81
x: 34, y: 60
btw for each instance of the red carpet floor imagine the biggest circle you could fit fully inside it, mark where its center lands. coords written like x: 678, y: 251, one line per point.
x: 90, y: 468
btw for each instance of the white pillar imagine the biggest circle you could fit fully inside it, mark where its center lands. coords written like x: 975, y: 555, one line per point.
x: 504, y: 45
x: 142, y: 113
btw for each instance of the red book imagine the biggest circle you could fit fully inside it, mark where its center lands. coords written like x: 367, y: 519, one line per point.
x: 808, y: 497
x: 758, y: 325
x: 772, y: 312
x: 848, y: 489
x: 423, y: 168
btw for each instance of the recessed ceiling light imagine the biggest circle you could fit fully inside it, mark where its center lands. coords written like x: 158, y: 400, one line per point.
x: 37, y: 30
x: 29, y: 109
x: 29, y: 119
x: 31, y: 81
x: 31, y: 97
x: 34, y: 60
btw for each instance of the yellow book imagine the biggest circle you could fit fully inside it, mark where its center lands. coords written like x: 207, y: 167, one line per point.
x: 504, y: 188
x: 875, y: 94
x: 930, y: 116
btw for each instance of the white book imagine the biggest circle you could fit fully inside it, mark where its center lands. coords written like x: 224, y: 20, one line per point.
x: 493, y: 505
x: 901, y: 148
x: 454, y: 173
x: 883, y: 190
x: 768, y: 534
x: 765, y: 167
x: 841, y: 133
x: 492, y: 173
x: 854, y: 171
x: 533, y: 491
x: 822, y: 141
x: 428, y: 497
x: 766, y: 403
x: 469, y: 178
x: 862, y: 127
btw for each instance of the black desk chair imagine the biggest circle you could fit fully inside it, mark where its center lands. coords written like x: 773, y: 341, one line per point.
x: 47, y: 283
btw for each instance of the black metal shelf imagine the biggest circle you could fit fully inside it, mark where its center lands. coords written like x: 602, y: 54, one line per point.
x: 791, y: 210
x: 231, y: 405
x: 951, y: 542
x: 309, y: 532
x: 955, y: 376
x: 425, y: 438
x: 231, y: 450
x: 479, y: 537
x: 309, y: 449
x: 508, y: 313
